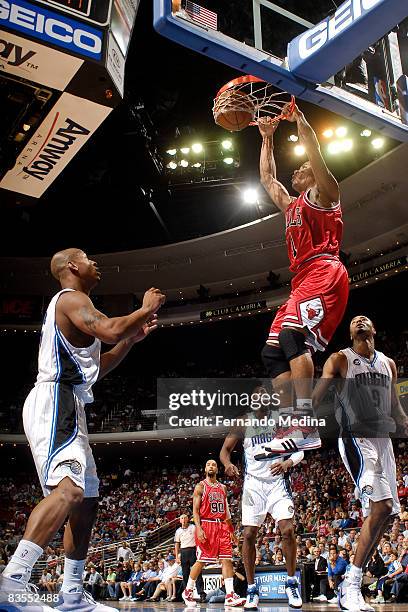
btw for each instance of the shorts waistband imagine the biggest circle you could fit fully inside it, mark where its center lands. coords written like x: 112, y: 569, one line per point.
x: 212, y: 520
x: 314, y: 257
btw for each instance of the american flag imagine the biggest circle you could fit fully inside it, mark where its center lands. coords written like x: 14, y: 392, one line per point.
x: 200, y: 15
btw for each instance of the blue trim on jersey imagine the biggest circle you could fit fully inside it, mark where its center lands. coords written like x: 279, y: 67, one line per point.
x: 64, y: 344
x: 56, y: 394
x: 67, y: 443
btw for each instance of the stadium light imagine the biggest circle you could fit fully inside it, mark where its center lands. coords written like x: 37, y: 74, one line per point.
x: 172, y: 165
x: 184, y: 163
x: 185, y: 150
x: 227, y: 145
x: 347, y: 144
x: 250, y: 196
x: 341, y: 131
x: 334, y: 147
x: 377, y: 143
x: 171, y: 151
x: 299, y: 150
x: 293, y: 138
x: 328, y: 133
x: 228, y: 160
x: 197, y: 147
x: 365, y: 133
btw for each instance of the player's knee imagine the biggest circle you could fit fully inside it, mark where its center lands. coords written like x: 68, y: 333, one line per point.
x: 292, y: 343
x: 71, y: 494
x: 274, y: 360
x: 250, y: 534
x: 286, y: 530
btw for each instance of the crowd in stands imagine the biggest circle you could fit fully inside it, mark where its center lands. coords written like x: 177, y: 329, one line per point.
x: 134, y: 504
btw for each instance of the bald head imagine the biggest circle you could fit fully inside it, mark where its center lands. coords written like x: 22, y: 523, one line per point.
x: 60, y: 261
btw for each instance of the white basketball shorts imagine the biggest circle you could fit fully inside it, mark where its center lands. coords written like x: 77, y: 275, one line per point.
x: 371, y: 464
x: 262, y: 496
x: 55, y: 425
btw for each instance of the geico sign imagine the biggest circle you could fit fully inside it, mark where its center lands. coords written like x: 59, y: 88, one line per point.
x: 51, y: 27
x: 346, y: 14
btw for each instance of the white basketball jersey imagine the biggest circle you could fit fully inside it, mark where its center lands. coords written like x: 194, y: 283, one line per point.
x: 61, y: 362
x: 364, y: 403
x: 256, y: 453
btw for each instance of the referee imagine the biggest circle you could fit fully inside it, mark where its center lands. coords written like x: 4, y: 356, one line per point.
x: 185, y: 548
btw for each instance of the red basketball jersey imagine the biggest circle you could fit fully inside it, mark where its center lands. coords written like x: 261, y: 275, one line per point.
x: 213, y: 501
x: 312, y: 231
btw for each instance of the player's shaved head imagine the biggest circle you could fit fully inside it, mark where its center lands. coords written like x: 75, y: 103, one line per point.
x: 59, y: 261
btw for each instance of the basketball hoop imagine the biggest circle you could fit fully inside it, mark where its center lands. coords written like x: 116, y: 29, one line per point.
x: 244, y: 100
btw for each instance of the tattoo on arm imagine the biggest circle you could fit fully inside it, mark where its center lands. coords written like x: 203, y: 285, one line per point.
x: 90, y: 317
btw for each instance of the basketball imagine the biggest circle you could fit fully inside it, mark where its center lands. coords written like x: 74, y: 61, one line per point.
x: 233, y: 110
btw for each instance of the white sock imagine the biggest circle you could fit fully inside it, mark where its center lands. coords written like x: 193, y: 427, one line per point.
x: 191, y: 584
x: 355, y: 573
x: 292, y: 577
x: 22, y: 561
x: 251, y: 586
x: 229, y: 585
x: 73, y: 570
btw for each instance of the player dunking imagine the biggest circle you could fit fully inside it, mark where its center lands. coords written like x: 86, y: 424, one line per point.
x: 69, y: 364
x: 366, y: 405
x: 319, y: 292
x: 214, y: 534
x: 266, y: 490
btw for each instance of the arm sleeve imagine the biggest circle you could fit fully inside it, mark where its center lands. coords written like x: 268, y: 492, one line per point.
x: 297, y: 457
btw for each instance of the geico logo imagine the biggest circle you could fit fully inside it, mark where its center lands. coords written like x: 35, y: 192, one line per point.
x: 14, y: 54
x: 52, y: 27
x: 346, y: 14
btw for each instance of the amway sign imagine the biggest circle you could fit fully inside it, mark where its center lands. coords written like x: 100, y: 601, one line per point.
x: 64, y: 131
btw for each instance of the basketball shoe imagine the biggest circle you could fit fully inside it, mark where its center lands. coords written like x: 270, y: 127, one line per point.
x: 350, y: 598
x: 232, y: 600
x: 293, y: 594
x: 188, y: 598
x: 252, y: 599
x: 82, y: 601
x: 16, y: 595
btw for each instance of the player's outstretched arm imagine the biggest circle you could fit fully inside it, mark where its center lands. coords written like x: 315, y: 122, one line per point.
x: 78, y: 308
x: 335, y: 367
x: 267, y: 165
x: 230, y: 443
x: 326, y: 183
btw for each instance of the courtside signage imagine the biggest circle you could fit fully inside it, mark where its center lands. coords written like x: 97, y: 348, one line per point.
x: 51, y: 27
x: 26, y: 59
x: 66, y: 128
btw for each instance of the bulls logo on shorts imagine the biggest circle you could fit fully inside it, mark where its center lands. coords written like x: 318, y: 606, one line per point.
x: 312, y: 311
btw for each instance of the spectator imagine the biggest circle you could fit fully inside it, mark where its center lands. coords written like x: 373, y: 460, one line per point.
x: 95, y: 583
x: 124, y: 552
x: 336, y: 569
x: 320, y: 582
x: 110, y: 583
x: 394, y: 569
x: 169, y: 572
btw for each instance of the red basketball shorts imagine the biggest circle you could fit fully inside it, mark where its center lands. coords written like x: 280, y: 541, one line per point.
x: 217, y: 544
x: 317, y: 301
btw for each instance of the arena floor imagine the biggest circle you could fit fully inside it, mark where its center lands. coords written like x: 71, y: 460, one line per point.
x: 265, y: 607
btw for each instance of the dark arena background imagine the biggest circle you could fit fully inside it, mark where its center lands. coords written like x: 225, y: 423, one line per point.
x: 108, y: 144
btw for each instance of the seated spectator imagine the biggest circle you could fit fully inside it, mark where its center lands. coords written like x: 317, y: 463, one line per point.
x: 336, y: 569
x: 95, y: 583
x: 110, y: 583
x: 342, y: 538
x: 147, y: 573
x: 122, y: 575
x: 124, y: 552
x: 393, y: 570
x: 44, y: 579
x: 169, y: 572
x: 320, y: 582
x: 176, y: 586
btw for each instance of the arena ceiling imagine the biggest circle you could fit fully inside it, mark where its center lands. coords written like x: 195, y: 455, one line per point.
x: 113, y: 197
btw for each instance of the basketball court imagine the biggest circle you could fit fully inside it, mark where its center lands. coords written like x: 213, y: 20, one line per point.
x: 265, y: 607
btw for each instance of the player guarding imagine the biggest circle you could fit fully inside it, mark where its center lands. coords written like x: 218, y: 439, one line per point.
x: 214, y: 534
x: 266, y: 490
x: 69, y: 363
x: 319, y: 292
x: 366, y: 405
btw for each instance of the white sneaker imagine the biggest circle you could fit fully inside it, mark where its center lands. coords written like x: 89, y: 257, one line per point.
x: 188, y: 598
x: 282, y: 447
x: 12, y: 591
x: 293, y: 593
x: 320, y: 597
x: 333, y: 600
x: 124, y: 598
x: 349, y: 596
x: 252, y: 599
x: 81, y: 601
x: 364, y: 605
x: 233, y: 600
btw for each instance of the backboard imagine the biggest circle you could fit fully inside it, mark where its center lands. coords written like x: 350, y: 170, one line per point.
x: 351, y: 59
